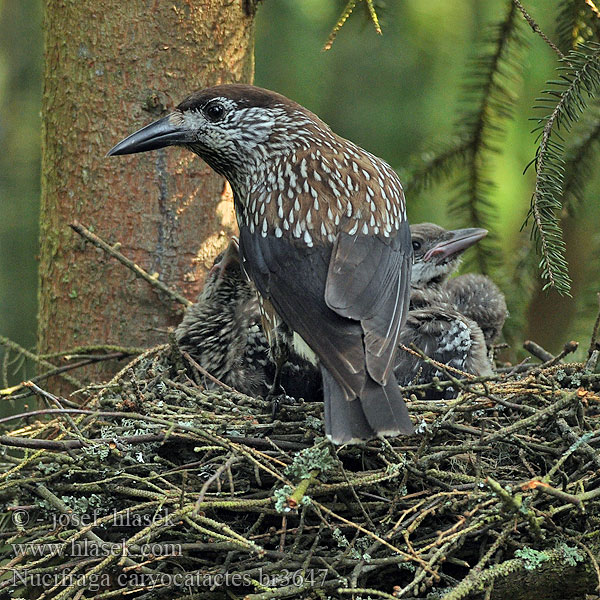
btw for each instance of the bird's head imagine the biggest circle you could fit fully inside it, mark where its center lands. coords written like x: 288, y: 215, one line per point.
x: 227, y: 262
x: 226, y: 281
x: 229, y: 126
x: 437, y: 251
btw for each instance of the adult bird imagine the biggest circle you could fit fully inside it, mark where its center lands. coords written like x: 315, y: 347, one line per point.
x: 323, y: 236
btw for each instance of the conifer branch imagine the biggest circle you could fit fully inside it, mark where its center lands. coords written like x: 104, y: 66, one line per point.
x: 568, y: 24
x: 373, y: 16
x: 536, y: 29
x: 488, y: 91
x: 578, y: 80
x: 437, y: 165
x: 593, y: 7
x: 339, y: 24
x: 580, y: 162
x: 578, y: 21
x: 490, y: 101
x: 350, y: 6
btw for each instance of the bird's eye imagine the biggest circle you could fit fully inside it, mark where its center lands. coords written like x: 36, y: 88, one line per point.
x: 416, y: 245
x: 214, y: 111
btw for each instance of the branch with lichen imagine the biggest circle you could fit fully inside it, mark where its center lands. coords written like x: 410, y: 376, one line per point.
x: 153, y: 442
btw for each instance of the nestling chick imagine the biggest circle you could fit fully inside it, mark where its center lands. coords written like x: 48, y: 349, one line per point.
x: 222, y: 332
x: 479, y: 298
x: 438, y: 253
x: 434, y: 325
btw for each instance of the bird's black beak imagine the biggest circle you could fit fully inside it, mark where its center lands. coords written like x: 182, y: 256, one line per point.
x: 458, y: 241
x: 161, y: 133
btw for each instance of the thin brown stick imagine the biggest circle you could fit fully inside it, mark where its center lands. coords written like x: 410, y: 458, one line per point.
x: 446, y: 368
x: 216, y: 475
x: 537, y: 351
x: 563, y: 401
x: 568, y: 348
x: 118, y: 414
x: 4, y: 341
x: 204, y: 372
x: 97, y: 350
x: 153, y: 281
x: 60, y: 445
x: 545, y: 488
x: 77, y: 365
x: 57, y: 402
x: 593, y: 7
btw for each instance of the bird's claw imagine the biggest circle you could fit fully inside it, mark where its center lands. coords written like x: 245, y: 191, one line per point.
x: 278, y: 397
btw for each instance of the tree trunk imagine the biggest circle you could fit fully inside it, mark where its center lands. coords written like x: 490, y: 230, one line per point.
x: 110, y: 68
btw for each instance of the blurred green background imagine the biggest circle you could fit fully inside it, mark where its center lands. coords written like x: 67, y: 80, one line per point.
x: 398, y: 95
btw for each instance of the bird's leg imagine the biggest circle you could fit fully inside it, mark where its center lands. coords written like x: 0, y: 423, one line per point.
x: 280, y: 353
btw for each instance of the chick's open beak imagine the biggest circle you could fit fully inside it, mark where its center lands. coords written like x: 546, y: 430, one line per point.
x: 458, y: 241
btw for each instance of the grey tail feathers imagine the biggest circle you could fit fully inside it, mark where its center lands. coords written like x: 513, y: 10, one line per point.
x: 385, y: 409
x: 379, y: 411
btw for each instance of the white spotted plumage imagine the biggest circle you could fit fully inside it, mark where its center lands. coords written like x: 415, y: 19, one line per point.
x: 288, y: 162
x: 336, y: 282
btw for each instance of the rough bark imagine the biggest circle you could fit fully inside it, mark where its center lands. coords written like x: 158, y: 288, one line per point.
x: 110, y: 68
x: 554, y: 581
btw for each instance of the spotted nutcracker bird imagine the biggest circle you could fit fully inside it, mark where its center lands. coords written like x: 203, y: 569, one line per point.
x: 437, y: 255
x: 479, y: 298
x: 435, y: 325
x: 449, y: 338
x: 222, y: 332
x: 323, y: 237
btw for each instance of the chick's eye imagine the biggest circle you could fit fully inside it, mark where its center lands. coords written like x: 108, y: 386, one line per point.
x: 416, y: 245
x: 214, y: 111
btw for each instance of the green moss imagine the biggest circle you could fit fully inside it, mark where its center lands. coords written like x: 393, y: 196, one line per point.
x: 314, y: 423
x: 100, y: 450
x: 340, y: 538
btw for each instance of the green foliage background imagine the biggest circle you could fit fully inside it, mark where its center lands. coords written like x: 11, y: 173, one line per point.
x: 399, y: 95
